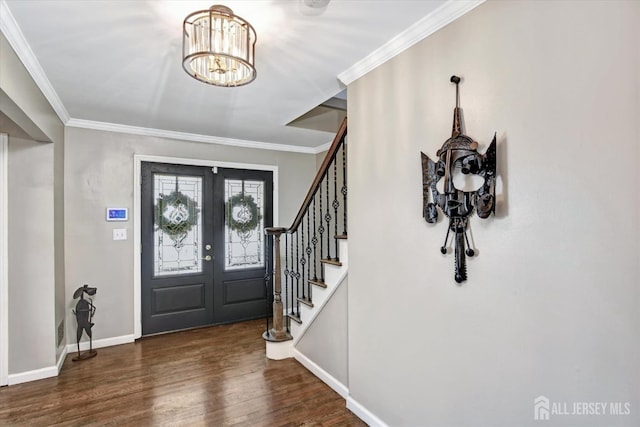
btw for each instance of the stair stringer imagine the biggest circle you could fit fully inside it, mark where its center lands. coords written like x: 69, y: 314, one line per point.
x: 333, y: 277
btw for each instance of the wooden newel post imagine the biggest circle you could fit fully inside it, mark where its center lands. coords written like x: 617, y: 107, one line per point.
x: 277, y: 332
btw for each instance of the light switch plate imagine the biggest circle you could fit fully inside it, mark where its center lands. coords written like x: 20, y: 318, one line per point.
x: 119, y: 234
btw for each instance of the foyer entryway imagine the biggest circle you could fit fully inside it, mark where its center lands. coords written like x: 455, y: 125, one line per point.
x: 203, y: 250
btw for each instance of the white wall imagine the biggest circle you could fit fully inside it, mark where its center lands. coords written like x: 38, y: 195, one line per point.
x: 552, y: 303
x: 99, y: 173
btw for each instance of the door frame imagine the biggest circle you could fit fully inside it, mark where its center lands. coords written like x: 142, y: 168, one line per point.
x: 137, y: 224
x: 4, y: 261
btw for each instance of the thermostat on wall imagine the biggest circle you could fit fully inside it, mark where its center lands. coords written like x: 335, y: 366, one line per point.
x: 117, y: 214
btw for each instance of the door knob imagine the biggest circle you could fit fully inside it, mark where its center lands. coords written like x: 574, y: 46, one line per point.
x: 207, y: 258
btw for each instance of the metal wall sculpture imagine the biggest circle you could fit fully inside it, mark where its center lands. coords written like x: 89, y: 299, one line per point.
x: 84, y: 315
x: 458, y: 153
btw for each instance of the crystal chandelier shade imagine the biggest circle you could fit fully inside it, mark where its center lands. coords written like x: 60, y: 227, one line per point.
x: 219, y: 47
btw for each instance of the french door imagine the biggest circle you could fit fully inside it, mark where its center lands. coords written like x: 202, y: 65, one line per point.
x: 203, y: 247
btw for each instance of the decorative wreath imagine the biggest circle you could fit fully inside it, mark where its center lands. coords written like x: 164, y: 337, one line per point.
x: 246, y: 219
x: 176, y: 214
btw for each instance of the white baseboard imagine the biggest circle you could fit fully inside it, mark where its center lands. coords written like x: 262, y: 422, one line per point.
x: 53, y: 371
x: 360, y: 411
x: 105, y: 342
x: 364, y: 414
x: 61, y: 358
x: 36, y: 374
x: 326, y: 377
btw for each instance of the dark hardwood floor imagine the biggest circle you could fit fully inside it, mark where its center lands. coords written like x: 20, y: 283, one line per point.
x: 216, y: 376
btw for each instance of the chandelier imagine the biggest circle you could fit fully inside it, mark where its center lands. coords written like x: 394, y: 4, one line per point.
x: 219, y: 47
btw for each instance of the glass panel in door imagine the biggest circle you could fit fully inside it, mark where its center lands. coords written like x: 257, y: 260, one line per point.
x: 178, y: 225
x: 244, y: 222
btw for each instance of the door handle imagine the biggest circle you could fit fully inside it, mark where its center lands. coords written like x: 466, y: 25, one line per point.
x: 207, y: 258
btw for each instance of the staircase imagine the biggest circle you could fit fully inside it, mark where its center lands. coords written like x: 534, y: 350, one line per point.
x: 297, y: 324
x: 309, y: 258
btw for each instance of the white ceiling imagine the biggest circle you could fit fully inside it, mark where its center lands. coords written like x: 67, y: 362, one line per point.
x: 119, y: 62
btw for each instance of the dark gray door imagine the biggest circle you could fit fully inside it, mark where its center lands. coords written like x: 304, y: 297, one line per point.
x: 239, y: 268
x: 203, y: 254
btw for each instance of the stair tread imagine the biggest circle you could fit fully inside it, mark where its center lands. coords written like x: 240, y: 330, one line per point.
x: 341, y: 236
x: 305, y: 301
x: 318, y: 283
x: 332, y: 262
x: 294, y: 317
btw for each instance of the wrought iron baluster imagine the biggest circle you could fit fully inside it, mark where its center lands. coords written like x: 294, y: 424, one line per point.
x: 303, y: 260
x: 308, y: 258
x: 315, y: 242
x: 291, y: 274
x: 297, y: 272
x: 327, y: 219
x: 336, y: 204
x: 321, y: 229
x: 344, y: 185
x: 286, y: 280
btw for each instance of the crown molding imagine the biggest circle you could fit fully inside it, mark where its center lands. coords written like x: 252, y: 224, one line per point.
x: 12, y: 32
x: 445, y: 14
x: 194, y: 137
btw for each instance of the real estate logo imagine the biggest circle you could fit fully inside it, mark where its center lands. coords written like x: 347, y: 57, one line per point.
x: 543, y: 408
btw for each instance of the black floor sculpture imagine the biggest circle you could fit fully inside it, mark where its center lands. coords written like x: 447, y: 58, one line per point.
x: 84, y: 314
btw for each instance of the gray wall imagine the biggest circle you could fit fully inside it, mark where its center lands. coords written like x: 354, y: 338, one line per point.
x: 35, y: 217
x: 31, y: 256
x: 58, y: 215
x: 99, y: 173
x: 23, y: 102
x: 552, y: 301
x: 319, y: 159
x: 325, y: 341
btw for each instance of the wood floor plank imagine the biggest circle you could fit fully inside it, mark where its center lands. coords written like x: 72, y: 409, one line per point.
x: 216, y: 376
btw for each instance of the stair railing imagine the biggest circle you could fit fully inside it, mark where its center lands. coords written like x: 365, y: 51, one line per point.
x: 311, y: 241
